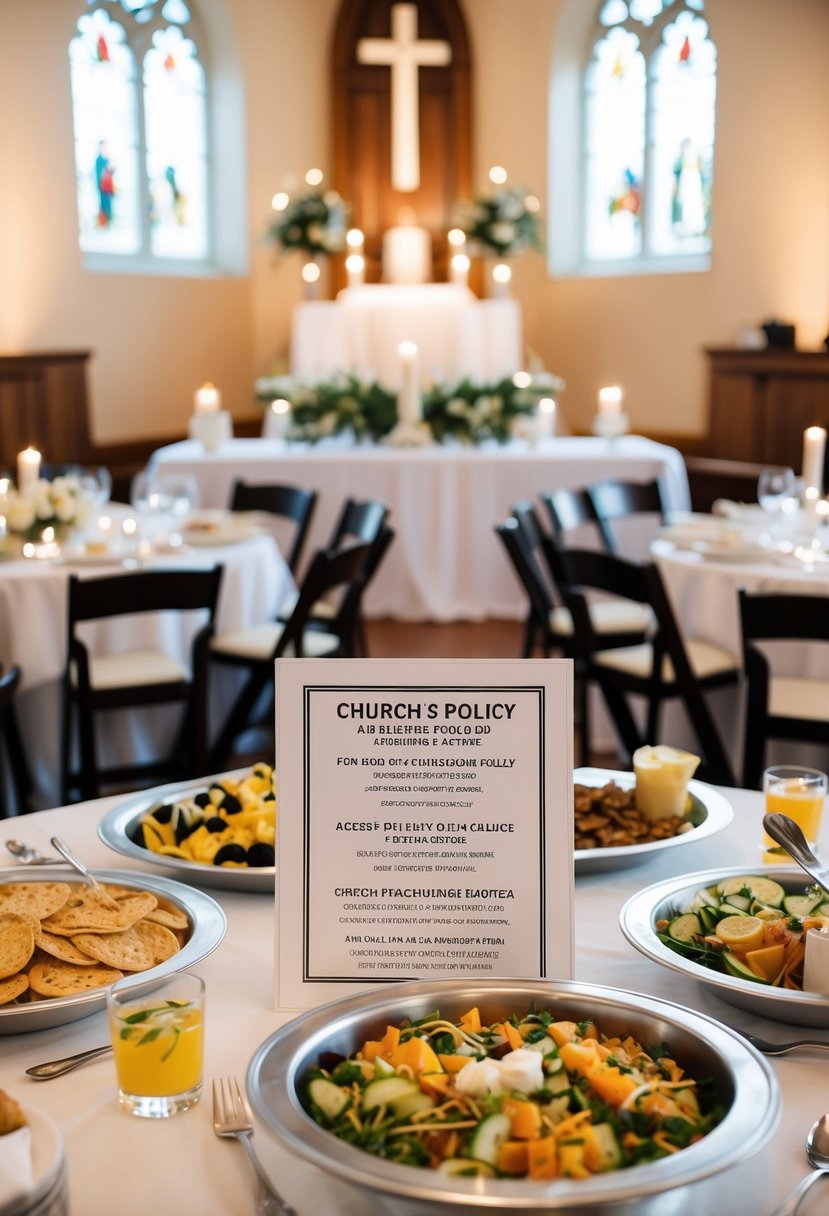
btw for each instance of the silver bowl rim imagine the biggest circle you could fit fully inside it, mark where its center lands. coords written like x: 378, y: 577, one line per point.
x: 747, y: 1125
x: 206, y: 916
x: 112, y: 830
x: 636, y: 922
x: 718, y: 814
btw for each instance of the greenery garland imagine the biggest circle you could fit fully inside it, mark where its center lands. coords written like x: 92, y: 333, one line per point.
x: 314, y: 222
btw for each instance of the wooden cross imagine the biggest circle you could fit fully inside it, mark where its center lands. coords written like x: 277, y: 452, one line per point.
x: 404, y: 54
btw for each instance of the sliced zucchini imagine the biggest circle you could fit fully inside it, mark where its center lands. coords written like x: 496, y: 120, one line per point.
x: 603, y: 1152
x: 685, y: 928
x: 387, y: 1091
x: 742, y: 902
x: 488, y: 1137
x: 328, y: 1098
x: 765, y: 889
x: 736, y: 967
x: 382, y: 1068
x: 409, y: 1104
x: 465, y: 1167
x: 801, y: 905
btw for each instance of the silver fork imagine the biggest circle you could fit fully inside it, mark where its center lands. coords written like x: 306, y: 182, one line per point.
x: 780, y: 1049
x: 232, y: 1117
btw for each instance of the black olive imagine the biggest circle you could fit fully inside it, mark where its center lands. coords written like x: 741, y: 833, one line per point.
x: 269, y: 797
x: 202, y: 799
x: 184, y: 829
x: 229, y: 852
x: 260, y: 854
x: 162, y: 814
x: 230, y: 804
x: 136, y: 834
x: 214, y: 824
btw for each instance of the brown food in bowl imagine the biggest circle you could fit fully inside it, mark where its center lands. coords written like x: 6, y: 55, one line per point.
x: 606, y: 817
x: 11, y: 1116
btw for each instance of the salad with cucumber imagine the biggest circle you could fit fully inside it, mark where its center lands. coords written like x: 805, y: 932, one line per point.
x: 748, y: 926
x: 529, y: 1096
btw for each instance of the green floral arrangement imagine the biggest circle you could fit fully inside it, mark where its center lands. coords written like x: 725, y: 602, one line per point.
x: 343, y: 404
x: 316, y: 223
x: 502, y: 223
x: 473, y: 413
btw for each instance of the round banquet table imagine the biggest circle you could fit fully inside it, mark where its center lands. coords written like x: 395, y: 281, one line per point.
x: 133, y: 1166
x: 446, y: 562
x: 33, y: 627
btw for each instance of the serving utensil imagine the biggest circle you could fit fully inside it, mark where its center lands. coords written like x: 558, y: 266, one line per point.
x: 787, y: 833
x: 66, y: 853
x: 29, y: 856
x: 56, y: 1068
x: 780, y: 1049
x: 817, y: 1151
x: 232, y: 1117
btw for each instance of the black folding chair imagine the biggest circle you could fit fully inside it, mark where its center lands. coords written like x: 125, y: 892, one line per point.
x: 614, y: 501
x: 287, y: 502
x: 16, y: 774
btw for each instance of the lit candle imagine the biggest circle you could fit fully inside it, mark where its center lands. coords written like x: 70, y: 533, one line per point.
x: 814, y: 450
x: 408, y: 401
x: 407, y: 255
x: 208, y: 399
x: 355, y: 266
x: 280, y: 418
x: 546, y: 418
x: 501, y: 275
x: 610, y: 400
x: 456, y: 238
x: 459, y: 270
x: 355, y: 240
x: 28, y: 468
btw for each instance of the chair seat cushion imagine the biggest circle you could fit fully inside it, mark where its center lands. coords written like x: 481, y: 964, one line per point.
x: 705, y: 658
x: 322, y: 610
x: 608, y: 616
x: 135, y: 668
x: 259, y: 642
x: 798, y: 697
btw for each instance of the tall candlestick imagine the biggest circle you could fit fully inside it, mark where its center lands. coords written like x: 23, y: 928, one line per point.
x: 28, y: 468
x: 355, y: 240
x: 546, y: 419
x: 459, y: 270
x: 355, y: 266
x: 610, y: 400
x: 408, y: 401
x: 207, y: 399
x: 814, y: 451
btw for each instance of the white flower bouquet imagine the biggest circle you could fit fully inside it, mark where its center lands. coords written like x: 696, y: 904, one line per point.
x: 60, y: 504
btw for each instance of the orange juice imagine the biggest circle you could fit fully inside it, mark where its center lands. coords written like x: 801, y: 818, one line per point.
x: 158, y: 1047
x: 798, y: 793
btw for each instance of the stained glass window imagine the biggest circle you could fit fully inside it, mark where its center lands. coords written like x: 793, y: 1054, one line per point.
x: 649, y: 102
x: 139, y: 111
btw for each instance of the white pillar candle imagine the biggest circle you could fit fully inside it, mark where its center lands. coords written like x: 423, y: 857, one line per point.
x: 207, y: 399
x: 407, y: 255
x: 501, y: 276
x: 355, y: 268
x: 408, y: 401
x: 610, y: 400
x: 459, y: 270
x: 355, y: 240
x: 28, y: 468
x: 816, y: 961
x: 546, y: 418
x: 814, y: 451
x: 280, y: 419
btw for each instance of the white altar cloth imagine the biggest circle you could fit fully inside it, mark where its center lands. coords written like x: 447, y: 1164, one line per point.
x: 446, y: 562
x: 171, y: 1166
x: 456, y: 333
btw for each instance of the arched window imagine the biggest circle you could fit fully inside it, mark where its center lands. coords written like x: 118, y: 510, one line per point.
x: 647, y: 115
x: 140, y: 117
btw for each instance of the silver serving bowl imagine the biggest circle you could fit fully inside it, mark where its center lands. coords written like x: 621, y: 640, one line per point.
x: 118, y: 826
x: 207, y: 928
x: 664, y: 899
x: 705, y: 1049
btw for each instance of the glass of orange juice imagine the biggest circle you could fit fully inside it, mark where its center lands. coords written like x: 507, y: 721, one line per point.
x: 799, y: 793
x: 158, y: 1043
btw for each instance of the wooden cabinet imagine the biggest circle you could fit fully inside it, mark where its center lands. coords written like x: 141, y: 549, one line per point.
x: 761, y: 401
x: 43, y: 402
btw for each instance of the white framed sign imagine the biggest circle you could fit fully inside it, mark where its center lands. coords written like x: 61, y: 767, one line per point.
x: 425, y: 822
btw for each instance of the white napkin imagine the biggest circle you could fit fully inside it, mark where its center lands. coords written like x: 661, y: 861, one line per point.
x: 16, y: 1176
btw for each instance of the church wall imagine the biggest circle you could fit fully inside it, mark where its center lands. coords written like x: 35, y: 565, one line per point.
x: 155, y: 339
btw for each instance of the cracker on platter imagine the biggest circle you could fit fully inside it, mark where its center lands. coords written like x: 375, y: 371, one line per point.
x: 124, y: 949
x: 40, y: 899
x: 56, y: 978
x: 17, y: 943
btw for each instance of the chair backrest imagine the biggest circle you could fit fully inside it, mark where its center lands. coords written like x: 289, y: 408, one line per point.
x: 288, y: 502
x: 589, y: 571
x: 330, y: 570
x: 514, y: 539
x: 546, y: 553
x: 615, y: 500
x: 358, y: 520
x: 18, y: 767
x: 776, y: 617
x: 569, y: 508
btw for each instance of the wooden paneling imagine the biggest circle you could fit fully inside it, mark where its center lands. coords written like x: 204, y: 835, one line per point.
x: 362, y: 130
x: 762, y: 401
x: 43, y: 403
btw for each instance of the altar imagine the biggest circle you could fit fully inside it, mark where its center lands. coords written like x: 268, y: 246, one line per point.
x: 457, y: 335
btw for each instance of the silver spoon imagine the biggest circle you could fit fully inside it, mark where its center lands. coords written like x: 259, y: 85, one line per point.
x: 66, y: 853
x: 780, y: 1049
x: 28, y: 856
x: 817, y: 1151
x: 56, y: 1068
x: 786, y: 832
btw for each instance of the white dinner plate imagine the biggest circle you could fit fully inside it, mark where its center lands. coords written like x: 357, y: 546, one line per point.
x: 710, y: 810
x: 48, y: 1169
x: 80, y: 557
x: 714, y: 551
x: 225, y: 532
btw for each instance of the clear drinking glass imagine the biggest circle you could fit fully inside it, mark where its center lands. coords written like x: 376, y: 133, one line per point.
x: 798, y: 792
x: 773, y: 487
x: 158, y: 1044
x: 97, y: 485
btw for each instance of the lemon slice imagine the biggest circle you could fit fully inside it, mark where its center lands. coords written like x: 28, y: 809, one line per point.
x: 741, y: 932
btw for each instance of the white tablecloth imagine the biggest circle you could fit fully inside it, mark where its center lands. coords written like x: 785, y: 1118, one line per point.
x: 703, y: 593
x: 134, y: 1166
x: 33, y: 627
x: 446, y: 562
x: 456, y: 333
